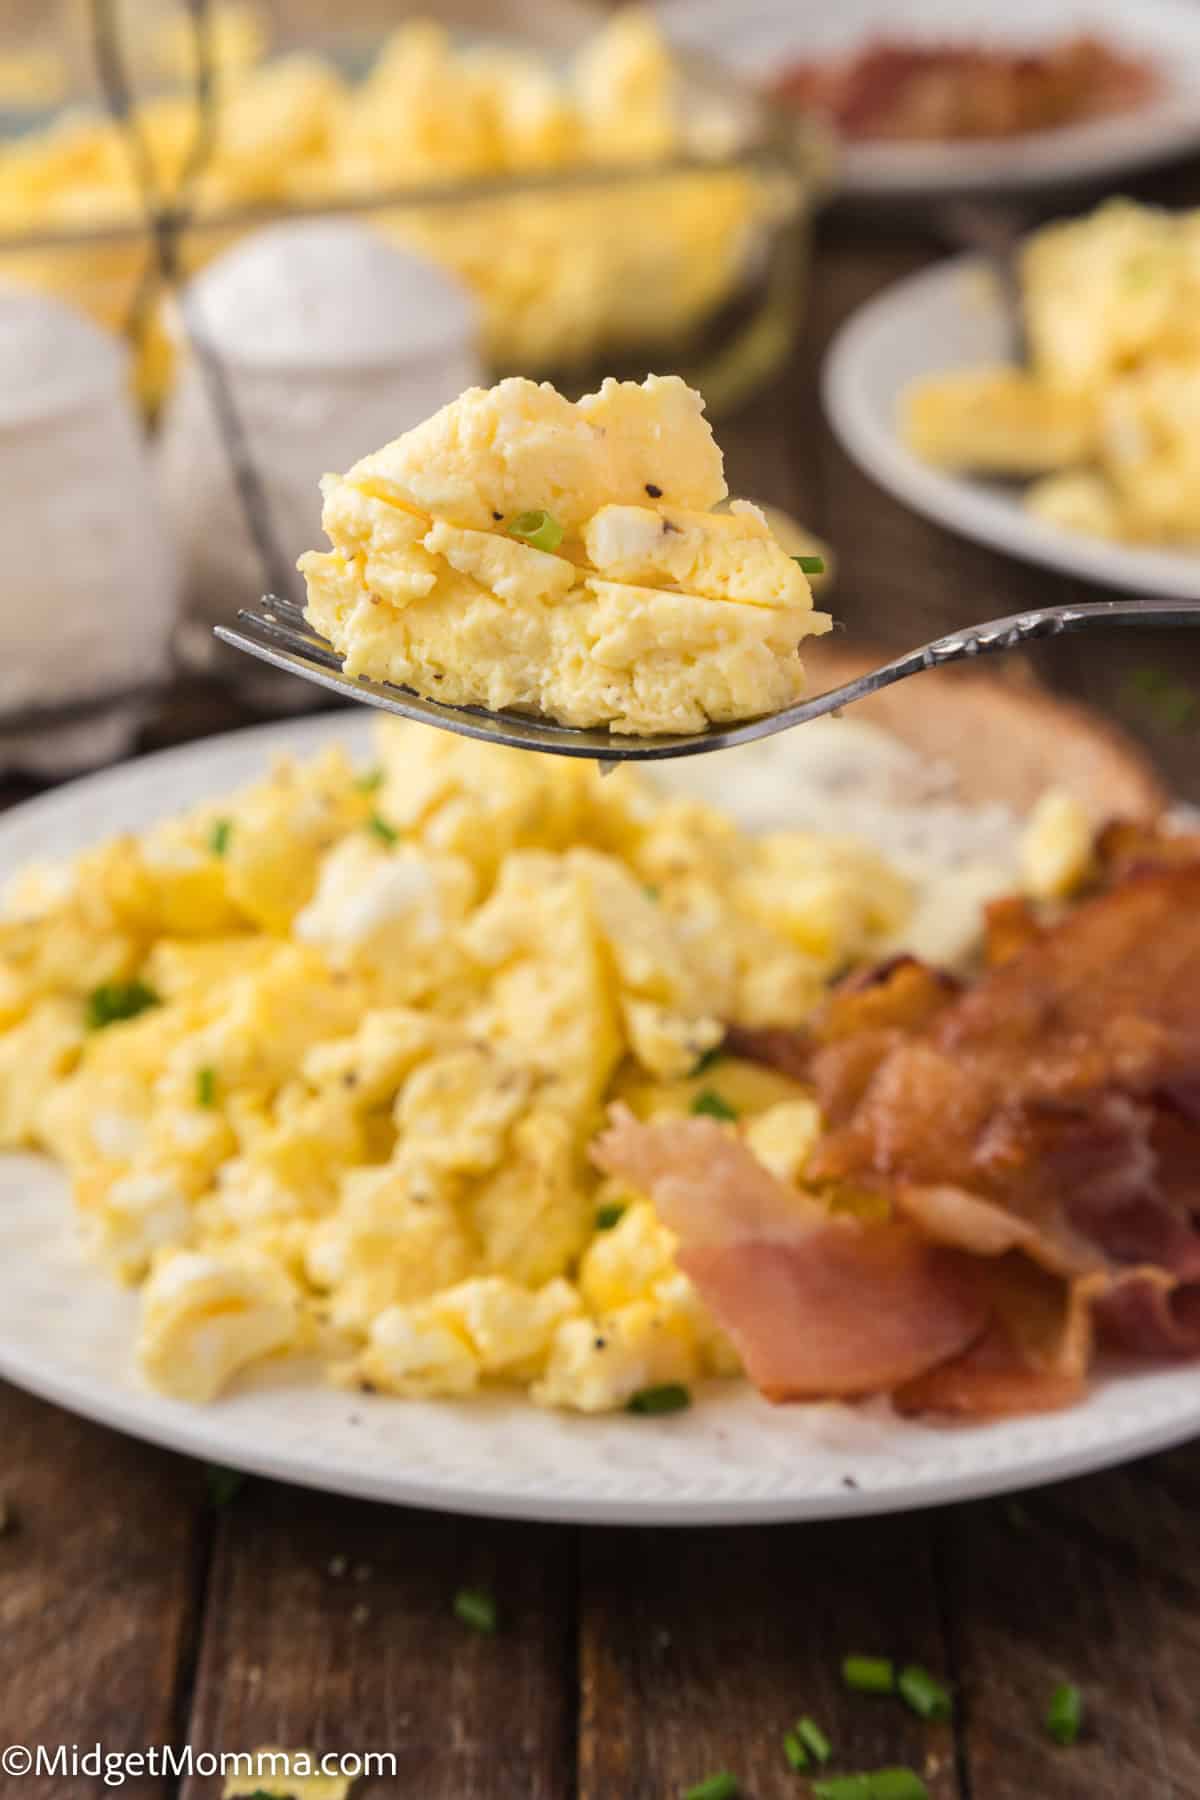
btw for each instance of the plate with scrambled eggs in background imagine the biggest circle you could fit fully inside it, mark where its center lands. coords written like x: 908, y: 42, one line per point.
x: 305, y: 1035
x: 1081, y: 454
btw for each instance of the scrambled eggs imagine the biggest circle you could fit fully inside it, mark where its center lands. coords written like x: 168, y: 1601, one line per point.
x: 559, y: 276
x: 1107, y: 415
x: 520, y: 551
x: 323, y: 1060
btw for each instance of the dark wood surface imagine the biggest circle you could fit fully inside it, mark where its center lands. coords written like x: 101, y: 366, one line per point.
x: 631, y: 1663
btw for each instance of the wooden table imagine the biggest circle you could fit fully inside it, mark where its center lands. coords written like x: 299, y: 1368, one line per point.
x: 632, y: 1663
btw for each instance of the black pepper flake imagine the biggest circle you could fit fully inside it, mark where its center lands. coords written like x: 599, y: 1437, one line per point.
x: 599, y: 1343
x: 497, y: 516
x: 654, y: 491
x: 350, y: 1079
x: 668, y: 528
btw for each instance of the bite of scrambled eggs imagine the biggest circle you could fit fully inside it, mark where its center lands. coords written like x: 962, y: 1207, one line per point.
x: 323, y: 1060
x: 1106, y: 416
x: 520, y: 551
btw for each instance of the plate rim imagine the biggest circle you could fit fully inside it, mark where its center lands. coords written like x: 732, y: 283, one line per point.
x: 1095, y: 1439
x: 958, y: 503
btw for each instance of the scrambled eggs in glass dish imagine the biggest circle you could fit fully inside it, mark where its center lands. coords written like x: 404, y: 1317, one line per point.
x: 1106, y: 417
x: 324, y: 1060
x: 560, y: 275
x: 520, y: 551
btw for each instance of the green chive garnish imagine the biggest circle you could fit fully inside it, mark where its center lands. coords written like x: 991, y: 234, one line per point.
x: 113, y: 1001
x: 385, y: 832
x: 709, y: 1104
x: 794, y: 1751
x: 537, y: 528
x: 219, y: 836
x: 1064, y: 1715
x: 721, y: 1786
x: 928, y: 1697
x: 206, y: 1087
x: 369, y: 780
x: 708, y: 1060
x: 811, y: 565
x: 651, y: 892
x: 610, y: 1215
x: 476, y: 1608
x: 881, y: 1784
x: 869, y: 1674
x: 670, y: 1397
x: 814, y: 1740
x: 222, y: 1484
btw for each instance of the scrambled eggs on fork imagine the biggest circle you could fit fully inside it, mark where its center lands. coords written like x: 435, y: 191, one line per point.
x: 323, y: 1060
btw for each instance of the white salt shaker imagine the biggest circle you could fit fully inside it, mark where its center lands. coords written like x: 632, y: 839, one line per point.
x: 331, y: 341
x: 87, y: 579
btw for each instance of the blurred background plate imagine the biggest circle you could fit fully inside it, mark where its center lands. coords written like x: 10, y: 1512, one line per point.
x: 952, y: 316
x: 761, y: 38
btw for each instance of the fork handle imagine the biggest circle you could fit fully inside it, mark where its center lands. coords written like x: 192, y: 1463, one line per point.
x: 1025, y: 628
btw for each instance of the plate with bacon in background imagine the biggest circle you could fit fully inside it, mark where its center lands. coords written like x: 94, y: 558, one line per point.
x: 932, y: 98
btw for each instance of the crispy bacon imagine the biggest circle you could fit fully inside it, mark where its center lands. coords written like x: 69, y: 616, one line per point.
x: 1033, y: 1356
x: 942, y: 92
x: 1034, y: 1140
x: 1050, y: 1088
x: 818, y: 1306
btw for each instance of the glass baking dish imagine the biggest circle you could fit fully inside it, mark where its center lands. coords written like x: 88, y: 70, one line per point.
x: 678, y: 242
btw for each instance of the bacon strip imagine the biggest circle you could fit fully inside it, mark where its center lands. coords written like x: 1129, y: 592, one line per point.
x: 1033, y: 1357
x: 818, y: 1307
x: 1037, y: 1138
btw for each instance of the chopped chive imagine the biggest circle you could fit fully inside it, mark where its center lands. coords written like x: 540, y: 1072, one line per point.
x: 880, y: 1784
x: 928, y: 1697
x: 814, y: 1740
x: 476, y: 1608
x: 609, y: 1215
x: 708, y: 1060
x: 206, y: 1087
x: 651, y: 892
x: 385, y: 832
x: 670, y: 1397
x: 721, y: 1786
x: 222, y: 1483
x: 540, y: 529
x: 810, y: 565
x: 794, y: 1751
x: 369, y: 780
x: 1064, y: 1715
x: 708, y: 1104
x: 113, y: 1001
x: 897, y: 1784
x: 869, y: 1674
x: 220, y: 835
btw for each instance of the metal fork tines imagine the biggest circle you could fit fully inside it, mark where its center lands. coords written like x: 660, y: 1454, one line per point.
x: 278, y: 633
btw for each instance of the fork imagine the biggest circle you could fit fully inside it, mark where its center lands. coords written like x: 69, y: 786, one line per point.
x: 278, y: 633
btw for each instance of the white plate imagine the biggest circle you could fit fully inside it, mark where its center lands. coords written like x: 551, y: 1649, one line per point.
x: 760, y: 38
x: 66, y: 1332
x: 946, y: 318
